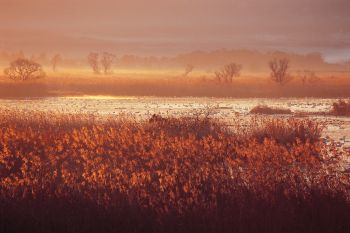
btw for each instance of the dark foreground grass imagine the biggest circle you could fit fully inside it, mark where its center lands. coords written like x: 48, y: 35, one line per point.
x: 69, y: 173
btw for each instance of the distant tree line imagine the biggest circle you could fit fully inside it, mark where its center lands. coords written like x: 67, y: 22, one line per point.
x: 99, y: 62
x: 23, y: 69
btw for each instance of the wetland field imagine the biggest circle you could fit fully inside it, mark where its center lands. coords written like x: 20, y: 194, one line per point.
x: 152, y: 164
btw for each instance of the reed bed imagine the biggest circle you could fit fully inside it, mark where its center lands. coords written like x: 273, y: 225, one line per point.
x: 77, y: 173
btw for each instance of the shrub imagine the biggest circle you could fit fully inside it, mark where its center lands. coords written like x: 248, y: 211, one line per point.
x: 341, y: 108
x: 285, y: 131
x: 199, y: 127
x: 262, y: 109
x: 288, y: 131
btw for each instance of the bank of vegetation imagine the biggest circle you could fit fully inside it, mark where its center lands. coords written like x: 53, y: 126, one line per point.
x: 80, y: 173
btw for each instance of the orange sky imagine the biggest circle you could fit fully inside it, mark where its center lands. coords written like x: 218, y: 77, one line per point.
x: 163, y: 27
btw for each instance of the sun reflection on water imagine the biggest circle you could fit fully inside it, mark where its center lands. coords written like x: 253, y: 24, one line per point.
x: 102, y: 97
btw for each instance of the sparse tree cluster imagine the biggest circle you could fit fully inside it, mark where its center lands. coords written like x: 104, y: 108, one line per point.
x: 28, y: 69
x: 24, y: 69
x: 107, y: 61
x: 228, y: 72
x: 102, y: 61
x: 279, y: 71
x: 308, y: 77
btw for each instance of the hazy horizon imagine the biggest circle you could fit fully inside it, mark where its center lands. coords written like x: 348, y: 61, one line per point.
x: 168, y: 28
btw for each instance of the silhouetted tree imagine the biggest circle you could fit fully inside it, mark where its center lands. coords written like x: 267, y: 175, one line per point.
x: 54, y: 61
x: 313, y: 78
x: 93, y: 60
x: 23, y: 69
x: 309, y: 77
x: 107, y: 61
x: 279, y: 71
x: 228, y: 72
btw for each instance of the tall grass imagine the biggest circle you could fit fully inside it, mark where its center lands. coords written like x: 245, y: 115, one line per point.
x: 286, y: 131
x: 77, y: 173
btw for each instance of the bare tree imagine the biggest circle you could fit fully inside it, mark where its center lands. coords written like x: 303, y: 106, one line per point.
x: 93, y: 60
x: 107, y: 61
x: 188, y: 69
x: 228, y: 72
x: 309, y: 77
x: 54, y: 61
x: 23, y: 69
x: 279, y: 71
x: 313, y: 78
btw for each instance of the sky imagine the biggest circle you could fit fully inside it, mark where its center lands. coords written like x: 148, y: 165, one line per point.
x: 169, y: 27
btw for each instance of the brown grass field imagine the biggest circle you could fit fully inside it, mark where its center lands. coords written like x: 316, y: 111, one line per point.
x: 82, y: 173
x: 171, y: 84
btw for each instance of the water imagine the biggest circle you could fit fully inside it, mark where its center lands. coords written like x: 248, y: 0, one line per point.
x: 223, y: 108
x: 149, y: 105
